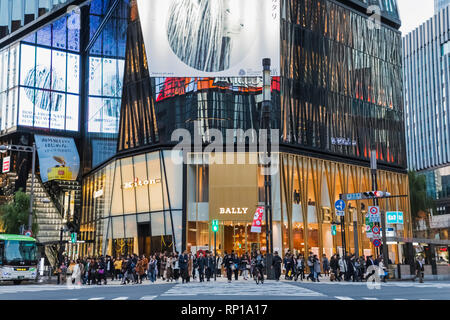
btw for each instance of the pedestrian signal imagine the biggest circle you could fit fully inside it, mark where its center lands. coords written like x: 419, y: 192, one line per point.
x: 73, y: 237
x: 333, y: 230
x: 215, y: 225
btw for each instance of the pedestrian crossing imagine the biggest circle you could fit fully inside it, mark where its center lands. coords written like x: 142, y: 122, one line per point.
x: 247, y: 288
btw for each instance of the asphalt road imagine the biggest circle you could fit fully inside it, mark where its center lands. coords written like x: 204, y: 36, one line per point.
x: 221, y: 290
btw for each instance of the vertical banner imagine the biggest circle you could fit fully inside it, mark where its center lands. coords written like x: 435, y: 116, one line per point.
x: 6, y: 164
x: 257, y: 220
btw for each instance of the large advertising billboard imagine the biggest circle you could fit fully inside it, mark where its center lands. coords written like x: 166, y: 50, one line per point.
x: 210, y: 38
x: 58, y: 158
x: 49, y: 87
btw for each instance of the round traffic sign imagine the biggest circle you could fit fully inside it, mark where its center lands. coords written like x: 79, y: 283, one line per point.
x: 339, y: 205
x: 376, y: 229
x: 28, y: 233
x: 376, y: 243
x: 374, y: 210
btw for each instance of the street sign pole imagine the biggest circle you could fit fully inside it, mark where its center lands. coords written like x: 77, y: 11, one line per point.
x: 344, y: 251
x: 384, y: 235
x: 373, y: 167
x: 215, y: 257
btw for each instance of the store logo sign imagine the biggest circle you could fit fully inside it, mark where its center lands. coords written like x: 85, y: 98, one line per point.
x: 233, y: 210
x: 140, y: 183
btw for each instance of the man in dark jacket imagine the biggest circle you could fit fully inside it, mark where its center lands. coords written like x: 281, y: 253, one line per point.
x: 236, y: 262
x: 209, y: 265
x: 201, y: 264
x: 228, y: 262
x: 276, y: 264
x: 183, y: 263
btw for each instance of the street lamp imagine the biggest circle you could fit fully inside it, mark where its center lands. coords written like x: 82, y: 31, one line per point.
x: 32, y: 149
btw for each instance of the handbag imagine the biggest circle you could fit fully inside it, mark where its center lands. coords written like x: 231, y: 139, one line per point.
x: 233, y: 267
x: 101, y: 271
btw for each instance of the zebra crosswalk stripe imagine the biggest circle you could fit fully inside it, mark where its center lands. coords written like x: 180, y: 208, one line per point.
x: 240, y: 289
x: 343, y: 298
x: 148, y: 298
x: 121, y: 298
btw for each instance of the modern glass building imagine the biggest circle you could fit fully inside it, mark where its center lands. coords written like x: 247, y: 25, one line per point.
x: 335, y: 96
x: 426, y: 54
x: 440, y: 4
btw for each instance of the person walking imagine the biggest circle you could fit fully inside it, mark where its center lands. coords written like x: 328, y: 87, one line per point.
x: 128, y: 271
x: 236, y: 262
x: 420, y: 269
x: 218, y: 265
x: 342, y: 268
x: 140, y: 271
x: 245, y: 265
x: 310, y: 263
x: 228, y: 263
x: 325, y: 265
x: 152, y: 266
x: 201, y: 264
x: 276, y: 265
x: 170, y: 268
x: 300, y: 268
x: 209, y: 266
x: 183, y: 265
x: 316, y: 267
x: 190, y: 270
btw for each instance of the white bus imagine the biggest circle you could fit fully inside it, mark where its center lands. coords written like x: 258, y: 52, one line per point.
x: 18, y: 260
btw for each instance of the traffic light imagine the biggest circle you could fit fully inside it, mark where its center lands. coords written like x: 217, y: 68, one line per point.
x: 375, y: 194
x: 333, y: 229
x: 215, y: 225
x: 73, y: 237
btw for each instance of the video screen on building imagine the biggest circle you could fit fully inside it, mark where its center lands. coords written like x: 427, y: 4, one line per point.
x: 203, y: 38
x: 105, y: 92
x: 58, y: 158
x: 49, y: 87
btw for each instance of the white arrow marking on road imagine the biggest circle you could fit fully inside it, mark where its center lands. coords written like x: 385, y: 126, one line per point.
x: 101, y: 298
x: 370, y: 298
x: 148, y: 297
x: 344, y: 298
x: 121, y: 298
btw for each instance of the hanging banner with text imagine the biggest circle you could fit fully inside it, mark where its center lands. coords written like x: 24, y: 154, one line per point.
x: 257, y: 220
x: 58, y: 158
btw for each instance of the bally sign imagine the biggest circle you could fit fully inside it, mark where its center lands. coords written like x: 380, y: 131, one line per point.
x: 233, y: 210
x: 139, y: 183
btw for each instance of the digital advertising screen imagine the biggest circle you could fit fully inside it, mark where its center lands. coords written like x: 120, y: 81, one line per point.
x: 58, y: 158
x: 45, y: 79
x: 203, y: 38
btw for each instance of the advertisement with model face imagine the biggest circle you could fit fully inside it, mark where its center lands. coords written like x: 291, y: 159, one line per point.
x: 58, y: 158
x: 204, y: 38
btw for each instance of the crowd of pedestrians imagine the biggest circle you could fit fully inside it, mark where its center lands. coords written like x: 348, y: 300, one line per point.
x: 175, y: 267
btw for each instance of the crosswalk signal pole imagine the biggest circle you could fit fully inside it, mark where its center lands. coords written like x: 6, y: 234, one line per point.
x: 373, y: 167
x: 215, y: 228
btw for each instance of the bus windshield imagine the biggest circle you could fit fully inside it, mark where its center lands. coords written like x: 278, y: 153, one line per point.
x: 17, y: 252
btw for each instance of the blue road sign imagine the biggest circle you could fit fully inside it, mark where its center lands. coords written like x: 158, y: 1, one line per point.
x: 376, y: 243
x: 339, y: 205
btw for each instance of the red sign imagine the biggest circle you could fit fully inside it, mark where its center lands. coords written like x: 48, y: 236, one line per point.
x: 257, y: 220
x: 376, y: 229
x: 6, y: 162
x: 376, y: 243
